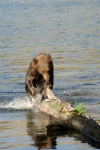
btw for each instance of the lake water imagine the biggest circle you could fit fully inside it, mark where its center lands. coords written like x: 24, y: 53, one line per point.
x: 70, y: 31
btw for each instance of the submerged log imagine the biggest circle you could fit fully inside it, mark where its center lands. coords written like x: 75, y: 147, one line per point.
x: 66, y: 116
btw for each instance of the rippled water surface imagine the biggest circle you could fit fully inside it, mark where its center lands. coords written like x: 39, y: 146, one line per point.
x: 70, y: 31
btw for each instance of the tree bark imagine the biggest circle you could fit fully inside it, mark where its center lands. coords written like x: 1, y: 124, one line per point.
x: 65, y: 116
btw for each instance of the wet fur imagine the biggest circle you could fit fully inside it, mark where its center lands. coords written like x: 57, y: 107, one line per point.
x: 39, y: 76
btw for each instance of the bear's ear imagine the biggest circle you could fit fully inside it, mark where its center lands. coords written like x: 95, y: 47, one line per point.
x: 49, y: 57
x: 35, y: 61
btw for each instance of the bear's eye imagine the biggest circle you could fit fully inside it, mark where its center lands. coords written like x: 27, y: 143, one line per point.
x: 49, y: 71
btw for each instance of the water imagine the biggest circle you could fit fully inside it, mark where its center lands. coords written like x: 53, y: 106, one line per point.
x: 70, y: 31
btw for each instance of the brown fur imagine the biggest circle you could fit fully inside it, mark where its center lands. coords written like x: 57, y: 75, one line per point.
x: 39, y: 75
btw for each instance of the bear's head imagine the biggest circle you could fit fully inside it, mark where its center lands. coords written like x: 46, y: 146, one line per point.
x: 43, y: 64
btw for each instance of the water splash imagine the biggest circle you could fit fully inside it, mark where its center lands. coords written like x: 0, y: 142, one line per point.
x: 16, y: 104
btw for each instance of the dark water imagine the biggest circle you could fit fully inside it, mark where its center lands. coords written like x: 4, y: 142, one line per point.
x: 70, y: 31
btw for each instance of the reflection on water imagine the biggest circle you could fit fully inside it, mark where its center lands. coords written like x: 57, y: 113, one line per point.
x: 36, y: 128
x: 42, y: 137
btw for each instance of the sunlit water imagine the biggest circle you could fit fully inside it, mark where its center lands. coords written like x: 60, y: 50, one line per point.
x: 70, y: 31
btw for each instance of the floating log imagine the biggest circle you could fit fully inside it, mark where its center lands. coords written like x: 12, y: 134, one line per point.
x: 65, y: 117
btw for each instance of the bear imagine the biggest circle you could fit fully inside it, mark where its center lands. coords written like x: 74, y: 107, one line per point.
x: 39, y: 77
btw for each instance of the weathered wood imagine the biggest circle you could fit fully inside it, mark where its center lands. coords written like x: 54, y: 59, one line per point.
x: 67, y: 117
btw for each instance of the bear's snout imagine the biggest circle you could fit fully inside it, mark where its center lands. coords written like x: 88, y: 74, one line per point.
x: 46, y: 77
